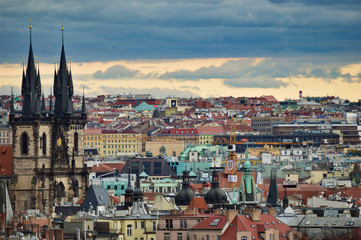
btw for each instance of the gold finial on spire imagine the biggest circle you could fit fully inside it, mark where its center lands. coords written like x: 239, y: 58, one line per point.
x: 30, y: 27
x: 62, y: 35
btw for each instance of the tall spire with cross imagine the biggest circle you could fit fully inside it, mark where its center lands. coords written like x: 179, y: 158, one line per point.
x: 30, y: 82
x: 63, y: 86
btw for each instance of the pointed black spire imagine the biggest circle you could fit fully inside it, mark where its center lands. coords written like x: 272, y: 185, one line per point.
x: 138, y: 193
x: 12, y: 103
x: 43, y: 104
x: 29, y: 89
x: 129, y: 192
x: 273, y: 198
x: 63, y: 87
x: 23, y: 89
x: 83, y: 106
x: 51, y: 103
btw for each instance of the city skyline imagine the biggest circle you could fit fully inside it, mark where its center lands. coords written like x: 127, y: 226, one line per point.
x: 206, y: 49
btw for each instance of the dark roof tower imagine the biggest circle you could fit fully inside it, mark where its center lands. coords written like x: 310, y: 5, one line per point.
x: 285, y: 199
x: 28, y: 88
x: 63, y: 87
x: 138, y: 193
x: 83, y: 106
x: 185, y: 195
x: 12, y: 111
x: 215, y: 195
x: 128, y: 201
x: 51, y: 103
x: 273, y: 198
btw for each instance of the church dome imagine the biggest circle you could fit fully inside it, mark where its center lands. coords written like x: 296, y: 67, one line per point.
x: 185, y: 195
x: 215, y: 195
x: 129, y: 190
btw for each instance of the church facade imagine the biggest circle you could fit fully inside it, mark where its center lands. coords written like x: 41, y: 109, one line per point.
x: 48, y: 142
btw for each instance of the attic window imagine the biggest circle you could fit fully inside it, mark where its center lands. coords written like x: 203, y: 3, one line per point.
x: 100, y: 197
x: 266, y: 223
x: 215, y: 222
x: 253, y: 226
x: 308, y: 223
x: 279, y: 222
x: 273, y: 223
x: 247, y: 216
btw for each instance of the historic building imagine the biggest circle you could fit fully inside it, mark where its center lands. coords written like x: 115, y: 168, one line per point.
x: 48, y: 143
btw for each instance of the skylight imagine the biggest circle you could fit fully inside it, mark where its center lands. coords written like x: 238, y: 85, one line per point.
x: 215, y: 222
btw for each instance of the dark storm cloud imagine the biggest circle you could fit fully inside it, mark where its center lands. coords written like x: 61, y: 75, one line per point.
x: 111, y: 30
x: 249, y: 73
x: 115, y: 72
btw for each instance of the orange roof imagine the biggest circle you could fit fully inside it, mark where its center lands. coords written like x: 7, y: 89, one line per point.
x: 212, y: 223
x: 6, y: 160
x: 102, y: 168
x: 198, y: 203
x: 41, y: 222
x: 244, y: 223
x: 80, y: 201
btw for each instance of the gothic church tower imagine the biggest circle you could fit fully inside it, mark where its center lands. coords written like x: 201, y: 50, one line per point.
x: 48, y: 143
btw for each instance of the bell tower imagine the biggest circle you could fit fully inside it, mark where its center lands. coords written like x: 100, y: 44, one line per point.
x: 48, y: 143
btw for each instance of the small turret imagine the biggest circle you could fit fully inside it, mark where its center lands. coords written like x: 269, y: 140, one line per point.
x: 128, y: 201
x: 138, y: 193
x: 215, y: 195
x: 185, y: 195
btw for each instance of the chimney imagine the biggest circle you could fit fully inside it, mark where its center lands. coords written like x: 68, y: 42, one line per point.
x: 256, y: 214
x: 59, y: 234
x: 272, y: 211
x: 231, y: 214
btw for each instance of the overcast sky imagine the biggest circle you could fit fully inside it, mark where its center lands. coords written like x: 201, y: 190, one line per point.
x: 190, y: 48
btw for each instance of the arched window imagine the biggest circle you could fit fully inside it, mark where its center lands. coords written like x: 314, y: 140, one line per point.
x: 60, y: 191
x: 43, y: 143
x: 76, y: 140
x: 24, y: 143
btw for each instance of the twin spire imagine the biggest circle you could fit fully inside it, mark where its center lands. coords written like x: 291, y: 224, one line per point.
x: 33, y: 99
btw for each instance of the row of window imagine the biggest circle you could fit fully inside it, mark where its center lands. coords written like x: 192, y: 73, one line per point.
x: 142, y: 226
x: 24, y: 143
x: 180, y: 237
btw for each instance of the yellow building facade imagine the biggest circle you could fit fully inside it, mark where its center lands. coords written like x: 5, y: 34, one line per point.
x: 110, y: 143
x: 133, y: 227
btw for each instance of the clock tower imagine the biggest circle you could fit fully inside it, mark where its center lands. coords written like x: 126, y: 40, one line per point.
x: 48, y: 142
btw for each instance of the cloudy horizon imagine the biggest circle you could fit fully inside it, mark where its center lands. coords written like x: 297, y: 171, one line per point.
x: 204, y: 48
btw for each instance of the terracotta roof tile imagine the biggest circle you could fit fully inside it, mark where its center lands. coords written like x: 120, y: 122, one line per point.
x: 245, y: 223
x: 212, y: 223
x: 198, y: 203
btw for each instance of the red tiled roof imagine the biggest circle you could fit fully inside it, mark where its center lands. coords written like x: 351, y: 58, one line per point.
x: 183, y: 131
x: 6, y: 160
x: 118, y: 166
x: 305, y: 190
x: 212, y: 223
x: 198, y: 203
x: 243, y: 223
x: 102, y: 168
x: 80, y: 201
